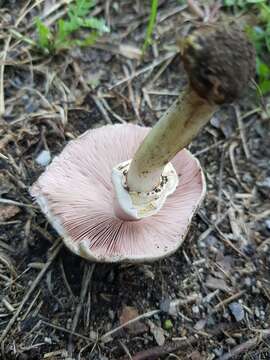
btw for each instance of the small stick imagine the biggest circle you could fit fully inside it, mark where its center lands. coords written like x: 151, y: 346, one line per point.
x: 227, y: 301
x: 143, y: 316
x: 102, y: 109
x: 220, y: 182
x: 195, y: 8
x: 24, y: 12
x: 60, y: 328
x: 30, y: 291
x: 170, y: 13
x: 66, y: 280
x: 107, y: 107
x: 12, y: 202
x: 234, y: 145
x: 247, y: 345
x: 143, y: 70
x: 242, y: 132
x: 84, y: 288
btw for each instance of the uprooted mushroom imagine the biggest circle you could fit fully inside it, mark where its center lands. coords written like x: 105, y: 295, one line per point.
x: 128, y: 193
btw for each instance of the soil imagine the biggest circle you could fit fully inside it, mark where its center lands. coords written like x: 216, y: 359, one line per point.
x: 212, y: 297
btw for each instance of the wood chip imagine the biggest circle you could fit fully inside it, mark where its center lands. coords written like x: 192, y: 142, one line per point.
x: 8, y: 211
x: 214, y: 283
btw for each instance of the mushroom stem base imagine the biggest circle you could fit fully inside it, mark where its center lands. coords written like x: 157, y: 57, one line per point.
x: 133, y: 205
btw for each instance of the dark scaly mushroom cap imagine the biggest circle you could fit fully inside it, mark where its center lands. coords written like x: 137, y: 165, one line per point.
x: 220, y: 62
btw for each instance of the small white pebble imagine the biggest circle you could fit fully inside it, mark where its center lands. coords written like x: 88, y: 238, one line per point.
x: 48, y: 340
x: 195, y: 309
x: 257, y: 312
x: 93, y: 335
x: 267, y: 223
x: 43, y: 158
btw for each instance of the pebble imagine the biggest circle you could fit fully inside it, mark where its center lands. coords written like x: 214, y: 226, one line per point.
x: 248, y: 281
x: 48, y: 340
x: 93, y: 334
x: 195, y: 309
x: 257, y: 312
x: 264, y: 183
x: 43, y: 158
x: 267, y: 224
x: 247, y: 178
x: 158, y: 334
x: 249, y: 249
x: 200, y: 324
x: 255, y: 290
x: 230, y: 341
x: 237, y: 310
x: 218, y: 352
x: 111, y: 314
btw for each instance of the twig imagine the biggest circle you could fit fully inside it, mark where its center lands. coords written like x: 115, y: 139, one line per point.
x: 227, y: 301
x: 107, y: 107
x: 234, y: 167
x: 143, y: 70
x: 12, y: 202
x: 66, y: 280
x: 73, y: 333
x: 170, y: 13
x: 4, y: 157
x: 102, y: 109
x: 31, y: 289
x: 31, y: 306
x: 132, y: 97
x: 143, y: 316
x: 242, y: 132
x: 88, y: 273
x: 210, y: 147
x: 126, y: 350
x: 220, y: 182
x: 195, y: 8
x: 24, y: 12
x: 247, y: 345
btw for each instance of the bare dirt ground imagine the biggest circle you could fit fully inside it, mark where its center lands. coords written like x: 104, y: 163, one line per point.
x: 211, y: 300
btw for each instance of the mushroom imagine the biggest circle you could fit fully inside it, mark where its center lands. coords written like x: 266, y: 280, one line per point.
x: 128, y: 193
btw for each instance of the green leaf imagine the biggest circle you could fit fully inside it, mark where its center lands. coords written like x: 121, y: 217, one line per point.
x: 239, y: 3
x: 63, y: 38
x: 262, y: 69
x: 229, y: 2
x: 265, y: 86
x: 255, y: 1
x: 88, y: 41
x: 81, y: 8
x: 44, y: 35
x: 97, y: 24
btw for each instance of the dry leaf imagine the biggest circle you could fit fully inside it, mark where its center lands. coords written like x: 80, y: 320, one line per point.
x: 130, y: 313
x: 130, y: 51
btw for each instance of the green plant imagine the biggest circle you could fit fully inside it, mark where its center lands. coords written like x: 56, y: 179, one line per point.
x: 151, y: 25
x: 260, y: 36
x: 63, y: 37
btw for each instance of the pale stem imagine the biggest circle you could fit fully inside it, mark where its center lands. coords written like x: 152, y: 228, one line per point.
x: 175, y: 130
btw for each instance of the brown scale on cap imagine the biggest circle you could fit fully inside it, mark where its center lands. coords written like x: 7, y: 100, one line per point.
x: 220, y: 62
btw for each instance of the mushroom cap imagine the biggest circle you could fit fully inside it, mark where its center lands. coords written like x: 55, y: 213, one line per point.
x: 220, y: 62
x: 76, y: 194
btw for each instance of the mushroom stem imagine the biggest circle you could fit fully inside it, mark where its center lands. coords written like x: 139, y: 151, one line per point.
x: 175, y: 130
x: 220, y: 62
